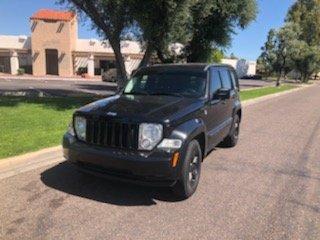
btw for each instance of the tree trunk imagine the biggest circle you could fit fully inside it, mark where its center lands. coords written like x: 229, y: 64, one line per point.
x: 160, y: 56
x: 163, y: 58
x: 120, y: 65
x: 306, y: 77
x: 278, y: 82
x: 146, y: 57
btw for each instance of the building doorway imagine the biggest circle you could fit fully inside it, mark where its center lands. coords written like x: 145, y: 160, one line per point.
x: 5, y: 64
x: 52, y: 62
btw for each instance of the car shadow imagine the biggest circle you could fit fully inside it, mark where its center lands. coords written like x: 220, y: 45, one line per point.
x: 66, y: 178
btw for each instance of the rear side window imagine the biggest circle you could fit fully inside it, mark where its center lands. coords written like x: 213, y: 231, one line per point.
x: 225, y: 78
x: 215, y: 82
x: 234, y: 80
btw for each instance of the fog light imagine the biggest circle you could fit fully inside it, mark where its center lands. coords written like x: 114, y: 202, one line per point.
x: 170, y: 143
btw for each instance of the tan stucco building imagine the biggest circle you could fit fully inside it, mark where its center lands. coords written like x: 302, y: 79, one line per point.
x: 53, y: 48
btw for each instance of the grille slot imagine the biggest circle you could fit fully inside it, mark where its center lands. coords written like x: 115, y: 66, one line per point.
x: 113, y: 133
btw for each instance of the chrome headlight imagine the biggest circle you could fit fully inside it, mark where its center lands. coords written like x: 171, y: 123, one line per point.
x: 80, y: 127
x: 149, y: 135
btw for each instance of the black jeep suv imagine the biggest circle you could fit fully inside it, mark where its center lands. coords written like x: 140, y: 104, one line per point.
x: 159, y: 128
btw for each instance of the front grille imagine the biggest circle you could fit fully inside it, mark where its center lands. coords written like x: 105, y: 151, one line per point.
x: 112, y: 133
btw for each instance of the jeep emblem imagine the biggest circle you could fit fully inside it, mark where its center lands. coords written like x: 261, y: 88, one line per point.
x: 113, y: 114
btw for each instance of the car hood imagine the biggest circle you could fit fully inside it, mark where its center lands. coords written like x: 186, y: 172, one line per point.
x: 143, y: 108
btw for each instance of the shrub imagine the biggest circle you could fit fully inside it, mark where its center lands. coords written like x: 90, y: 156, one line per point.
x: 21, y: 71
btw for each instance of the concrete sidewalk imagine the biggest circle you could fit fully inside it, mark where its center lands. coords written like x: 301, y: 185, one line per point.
x: 48, y: 78
x: 20, y: 164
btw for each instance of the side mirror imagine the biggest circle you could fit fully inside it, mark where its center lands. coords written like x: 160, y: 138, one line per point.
x: 223, y: 93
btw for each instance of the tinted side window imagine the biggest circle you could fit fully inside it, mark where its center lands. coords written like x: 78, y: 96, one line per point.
x: 234, y: 80
x: 215, y: 82
x: 225, y: 77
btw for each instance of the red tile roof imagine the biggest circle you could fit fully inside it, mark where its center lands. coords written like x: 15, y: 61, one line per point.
x: 47, y: 14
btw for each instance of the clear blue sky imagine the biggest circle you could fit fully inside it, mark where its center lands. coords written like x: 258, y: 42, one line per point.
x: 14, y: 20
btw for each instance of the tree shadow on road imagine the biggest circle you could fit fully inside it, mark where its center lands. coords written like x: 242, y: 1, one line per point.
x: 66, y: 178
x: 101, y: 87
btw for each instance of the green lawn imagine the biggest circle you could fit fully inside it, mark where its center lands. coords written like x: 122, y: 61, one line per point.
x: 255, y: 93
x: 29, y: 124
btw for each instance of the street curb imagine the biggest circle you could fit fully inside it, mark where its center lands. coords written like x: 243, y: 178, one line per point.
x: 30, y: 161
x: 23, y: 163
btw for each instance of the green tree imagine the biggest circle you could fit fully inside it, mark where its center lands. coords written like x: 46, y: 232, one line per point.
x: 216, y: 56
x: 197, y: 24
x: 111, y: 20
x: 213, y: 23
x: 264, y: 67
x: 276, y: 53
x: 161, y: 23
x: 306, y: 59
x: 306, y: 14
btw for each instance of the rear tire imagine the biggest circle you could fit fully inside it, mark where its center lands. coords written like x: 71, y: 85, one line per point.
x: 232, y: 139
x: 190, y: 172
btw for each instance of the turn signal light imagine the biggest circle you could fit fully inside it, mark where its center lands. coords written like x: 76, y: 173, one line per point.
x: 175, y: 159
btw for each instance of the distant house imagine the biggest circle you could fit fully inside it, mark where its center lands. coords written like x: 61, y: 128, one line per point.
x: 242, y: 66
x: 54, y: 49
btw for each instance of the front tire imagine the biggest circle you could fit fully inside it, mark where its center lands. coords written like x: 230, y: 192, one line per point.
x: 190, y: 172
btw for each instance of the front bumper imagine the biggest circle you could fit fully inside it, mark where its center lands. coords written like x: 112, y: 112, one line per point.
x: 147, y: 168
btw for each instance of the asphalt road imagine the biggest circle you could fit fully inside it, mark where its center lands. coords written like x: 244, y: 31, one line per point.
x: 76, y: 88
x: 57, y: 87
x: 268, y: 187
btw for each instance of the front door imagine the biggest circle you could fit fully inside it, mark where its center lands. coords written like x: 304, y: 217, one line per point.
x: 215, y: 108
x: 52, y: 62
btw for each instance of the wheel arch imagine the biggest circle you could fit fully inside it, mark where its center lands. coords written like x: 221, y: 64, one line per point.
x: 190, y: 130
x: 239, y: 113
x: 201, y: 138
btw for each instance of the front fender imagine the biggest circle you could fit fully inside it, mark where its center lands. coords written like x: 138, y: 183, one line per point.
x: 186, y: 132
x: 189, y: 130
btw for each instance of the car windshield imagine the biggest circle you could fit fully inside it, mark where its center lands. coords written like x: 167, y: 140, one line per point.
x: 174, y: 83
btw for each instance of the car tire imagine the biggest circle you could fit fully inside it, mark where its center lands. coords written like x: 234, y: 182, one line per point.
x: 232, y: 139
x: 190, y: 172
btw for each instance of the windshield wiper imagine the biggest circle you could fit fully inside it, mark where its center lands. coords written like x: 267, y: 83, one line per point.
x: 167, y: 94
